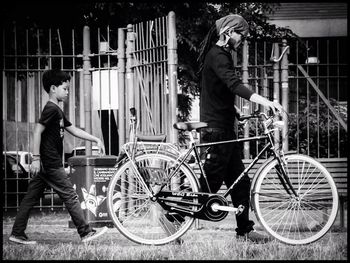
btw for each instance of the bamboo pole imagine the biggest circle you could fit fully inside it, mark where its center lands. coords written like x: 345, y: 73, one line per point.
x: 246, y: 148
x: 285, y: 90
x: 276, y: 85
x: 172, y: 75
x: 121, y: 87
x: 87, y: 85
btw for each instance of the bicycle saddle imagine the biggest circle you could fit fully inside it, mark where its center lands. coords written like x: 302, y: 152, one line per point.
x: 189, y: 126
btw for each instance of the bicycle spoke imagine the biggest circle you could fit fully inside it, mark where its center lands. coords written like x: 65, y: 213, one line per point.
x: 140, y: 217
x: 300, y: 219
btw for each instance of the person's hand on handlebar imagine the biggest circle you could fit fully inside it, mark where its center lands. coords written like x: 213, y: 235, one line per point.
x: 274, y: 106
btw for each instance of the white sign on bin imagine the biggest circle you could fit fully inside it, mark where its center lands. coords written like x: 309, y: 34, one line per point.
x: 105, y: 89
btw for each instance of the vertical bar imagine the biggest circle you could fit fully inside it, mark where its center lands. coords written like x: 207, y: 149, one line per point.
x: 308, y: 104
x: 16, y: 111
x: 109, y: 96
x: 172, y: 75
x: 276, y: 85
x: 129, y: 70
x: 285, y: 91
x: 87, y: 85
x: 29, y: 101
x: 318, y: 107
x: 4, y: 112
x: 256, y: 106
x: 72, y: 102
x: 297, y: 91
x: 338, y: 99
x: 39, y: 75
x: 121, y: 86
x: 245, y: 74
x: 99, y: 103
x: 328, y: 115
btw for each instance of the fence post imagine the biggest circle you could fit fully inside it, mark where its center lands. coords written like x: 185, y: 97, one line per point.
x: 276, y: 85
x: 121, y: 86
x: 87, y: 86
x: 245, y: 75
x: 284, y: 84
x: 130, y: 89
x: 172, y: 78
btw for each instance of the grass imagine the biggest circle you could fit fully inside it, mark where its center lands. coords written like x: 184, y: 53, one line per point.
x: 212, y: 241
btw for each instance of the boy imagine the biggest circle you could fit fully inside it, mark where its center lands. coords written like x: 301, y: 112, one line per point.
x: 47, y: 157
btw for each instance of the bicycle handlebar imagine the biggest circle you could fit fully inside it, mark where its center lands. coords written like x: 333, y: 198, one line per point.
x: 255, y: 114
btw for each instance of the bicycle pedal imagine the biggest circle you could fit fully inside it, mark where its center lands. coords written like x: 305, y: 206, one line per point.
x: 240, y: 209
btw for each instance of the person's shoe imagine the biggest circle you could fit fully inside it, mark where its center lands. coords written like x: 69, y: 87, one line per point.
x: 24, y: 240
x: 94, y: 234
x: 255, y: 237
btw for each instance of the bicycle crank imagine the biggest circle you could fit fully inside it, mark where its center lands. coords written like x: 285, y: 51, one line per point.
x: 238, y: 210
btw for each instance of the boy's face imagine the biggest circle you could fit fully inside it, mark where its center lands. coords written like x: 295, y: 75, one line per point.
x: 61, y: 91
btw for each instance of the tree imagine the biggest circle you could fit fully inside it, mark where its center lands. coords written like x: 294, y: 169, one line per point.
x: 193, y: 20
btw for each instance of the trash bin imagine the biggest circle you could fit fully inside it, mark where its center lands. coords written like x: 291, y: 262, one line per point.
x: 90, y: 176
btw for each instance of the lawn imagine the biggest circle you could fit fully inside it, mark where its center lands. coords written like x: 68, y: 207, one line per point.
x: 208, y: 241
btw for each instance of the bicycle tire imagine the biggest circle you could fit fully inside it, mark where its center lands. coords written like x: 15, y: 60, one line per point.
x: 291, y: 220
x: 132, y: 211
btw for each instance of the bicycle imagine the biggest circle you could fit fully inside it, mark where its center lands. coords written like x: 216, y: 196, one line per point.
x: 154, y: 198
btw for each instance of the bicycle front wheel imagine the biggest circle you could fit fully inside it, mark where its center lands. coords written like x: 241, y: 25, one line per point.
x: 300, y: 219
x: 138, y: 216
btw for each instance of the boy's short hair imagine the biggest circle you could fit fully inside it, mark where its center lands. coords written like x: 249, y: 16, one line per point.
x: 54, y: 77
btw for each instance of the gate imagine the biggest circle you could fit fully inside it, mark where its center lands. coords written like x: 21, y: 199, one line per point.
x: 138, y: 65
x: 151, y: 75
x: 310, y: 86
x: 109, y: 76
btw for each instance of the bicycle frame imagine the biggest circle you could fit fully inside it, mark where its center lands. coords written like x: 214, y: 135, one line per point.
x: 203, y: 181
x: 195, y: 148
x: 268, y: 146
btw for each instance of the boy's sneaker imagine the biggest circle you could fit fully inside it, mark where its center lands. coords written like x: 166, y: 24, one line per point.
x: 94, y: 234
x: 24, y: 240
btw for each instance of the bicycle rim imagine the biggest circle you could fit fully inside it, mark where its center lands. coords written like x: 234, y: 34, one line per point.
x: 296, y: 220
x: 131, y: 209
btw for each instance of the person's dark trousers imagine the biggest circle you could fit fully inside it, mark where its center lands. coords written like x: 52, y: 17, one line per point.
x: 224, y: 164
x: 59, y: 181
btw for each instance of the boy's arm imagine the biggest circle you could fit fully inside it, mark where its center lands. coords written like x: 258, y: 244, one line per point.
x: 75, y: 131
x: 35, y: 166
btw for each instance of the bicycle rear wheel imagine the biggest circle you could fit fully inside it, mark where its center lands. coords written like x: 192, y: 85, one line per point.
x: 131, y: 209
x: 296, y: 220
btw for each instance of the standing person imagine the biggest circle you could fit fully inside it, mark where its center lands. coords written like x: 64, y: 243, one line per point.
x: 47, y: 164
x: 219, y: 86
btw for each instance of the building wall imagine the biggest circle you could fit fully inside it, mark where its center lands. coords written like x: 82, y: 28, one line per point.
x: 312, y: 19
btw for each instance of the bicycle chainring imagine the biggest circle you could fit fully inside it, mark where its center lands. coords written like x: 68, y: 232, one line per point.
x: 209, y: 213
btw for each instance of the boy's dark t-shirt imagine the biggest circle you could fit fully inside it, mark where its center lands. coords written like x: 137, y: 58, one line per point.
x: 51, y: 146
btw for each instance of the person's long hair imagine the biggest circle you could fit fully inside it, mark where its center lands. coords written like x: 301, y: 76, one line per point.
x: 205, y: 45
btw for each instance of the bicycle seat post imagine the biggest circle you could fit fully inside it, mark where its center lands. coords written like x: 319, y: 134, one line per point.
x: 192, y: 141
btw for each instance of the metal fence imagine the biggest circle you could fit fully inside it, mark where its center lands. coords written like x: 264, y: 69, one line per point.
x: 121, y: 74
x: 136, y: 66
x: 309, y: 79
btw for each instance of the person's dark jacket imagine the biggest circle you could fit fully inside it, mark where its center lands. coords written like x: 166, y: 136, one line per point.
x: 219, y: 85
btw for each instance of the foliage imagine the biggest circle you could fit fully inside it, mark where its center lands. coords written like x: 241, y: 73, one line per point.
x: 193, y: 20
x: 318, y: 129
x: 312, y: 131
